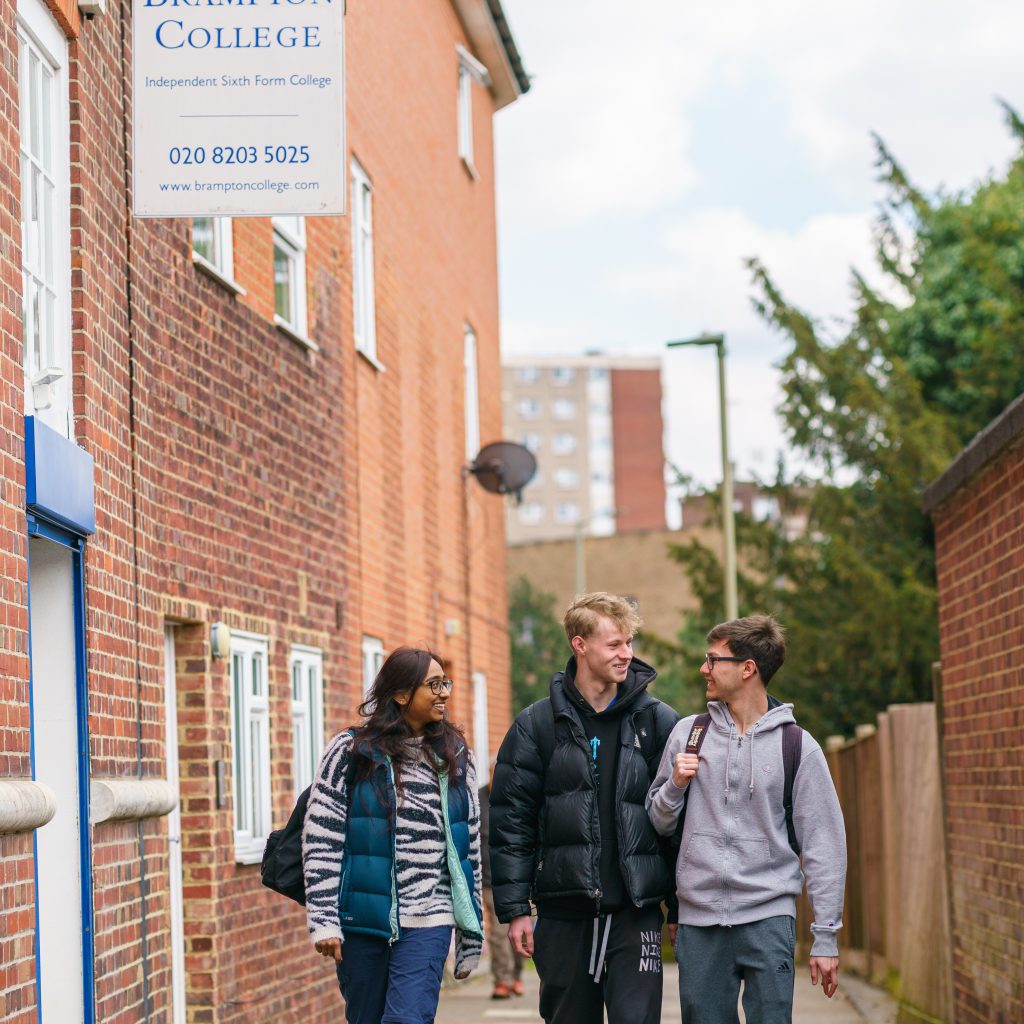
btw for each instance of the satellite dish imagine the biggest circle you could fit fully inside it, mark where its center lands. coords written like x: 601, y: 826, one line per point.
x: 504, y: 468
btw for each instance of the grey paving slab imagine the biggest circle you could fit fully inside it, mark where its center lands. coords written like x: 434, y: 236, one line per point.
x: 470, y: 1003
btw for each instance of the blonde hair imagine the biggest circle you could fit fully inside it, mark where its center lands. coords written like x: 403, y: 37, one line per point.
x: 583, y: 616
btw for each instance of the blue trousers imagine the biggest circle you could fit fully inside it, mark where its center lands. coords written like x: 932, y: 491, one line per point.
x: 397, y: 984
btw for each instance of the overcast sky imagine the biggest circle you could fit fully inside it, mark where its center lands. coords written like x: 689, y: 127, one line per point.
x: 664, y: 141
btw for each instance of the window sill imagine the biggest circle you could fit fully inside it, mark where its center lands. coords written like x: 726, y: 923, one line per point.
x: 372, y: 360
x: 204, y: 265
x: 251, y: 852
x: 470, y: 169
x: 300, y: 339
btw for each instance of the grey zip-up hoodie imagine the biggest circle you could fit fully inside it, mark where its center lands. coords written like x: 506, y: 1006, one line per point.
x: 735, y: 863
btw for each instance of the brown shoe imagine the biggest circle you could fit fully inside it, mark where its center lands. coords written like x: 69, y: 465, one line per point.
x: 501, y: 991
x: 517, y: 987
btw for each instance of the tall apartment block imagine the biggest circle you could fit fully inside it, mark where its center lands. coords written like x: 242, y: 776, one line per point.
x: 594, y: 423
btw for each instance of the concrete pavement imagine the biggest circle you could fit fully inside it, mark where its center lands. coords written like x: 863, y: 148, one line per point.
x: 470, y: 1003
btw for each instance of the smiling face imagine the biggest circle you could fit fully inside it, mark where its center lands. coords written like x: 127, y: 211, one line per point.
x: 727, y: 680
x: 604, y: 656
x: 422, y: 706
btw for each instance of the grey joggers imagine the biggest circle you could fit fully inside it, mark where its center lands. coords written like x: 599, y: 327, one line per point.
x: 713, y: 960
x: 613, y: 961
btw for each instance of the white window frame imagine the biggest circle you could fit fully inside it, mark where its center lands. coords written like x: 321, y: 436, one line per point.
x: 307, y: 683
x: 563, y: 375
x: 527, y: 374
x: 567, y: 512
x: 531, y: 513
x: 220, y: 264
x: 46, y: 249
x: 373, y: 658
x: 563, y: 409
x: 567, y: 478
x: 481, y: 728
x: 472, y: 392
x: 470, y: 71
x: 564, y: 444
x: 528, y: 408
x: 292, y: 243
x: 250, y: 754
x: 532, y: 442
x: 364, y: 305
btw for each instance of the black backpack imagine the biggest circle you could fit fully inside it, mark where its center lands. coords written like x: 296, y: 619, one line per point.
x: 281, y: 867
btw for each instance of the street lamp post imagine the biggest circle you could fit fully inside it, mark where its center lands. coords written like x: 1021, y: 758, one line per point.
x: 728, y: 515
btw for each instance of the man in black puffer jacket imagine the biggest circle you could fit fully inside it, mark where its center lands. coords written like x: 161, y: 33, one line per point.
x: 569, y: 829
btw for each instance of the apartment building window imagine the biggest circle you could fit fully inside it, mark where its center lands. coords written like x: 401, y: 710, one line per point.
x: 290, y: 274
x: 563, y: 444
x: 373, y: 658
x: 363, y: 302
x: 470, y: 71
x: 307, y: 666
x: 563, y: 375
x: 527, y: 374
x: 212, y: 245
x: 564, y: 409
x: 567, y: 512
x: 472, y: 393
x: 44, y: 144
x: 567, y: 478
x: 532, y: 442
x: 250, y: 744
x: 529, y: 408
x: 599, y: 373
x: 531, y: 513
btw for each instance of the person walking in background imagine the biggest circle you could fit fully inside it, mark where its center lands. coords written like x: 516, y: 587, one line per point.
x: 569, y: 828
x: 738, y: 872
x: 506, y: 962
x: 391, y: 847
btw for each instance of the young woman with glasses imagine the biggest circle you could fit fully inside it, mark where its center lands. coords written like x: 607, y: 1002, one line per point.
x: 391, y: 847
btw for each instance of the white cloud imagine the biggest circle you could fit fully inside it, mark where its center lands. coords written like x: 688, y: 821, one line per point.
x: 607, y: 143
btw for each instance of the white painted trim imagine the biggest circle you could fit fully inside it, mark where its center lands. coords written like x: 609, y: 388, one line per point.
x: 204, y: 265
x: 176, y: 885
x: 25, y: 805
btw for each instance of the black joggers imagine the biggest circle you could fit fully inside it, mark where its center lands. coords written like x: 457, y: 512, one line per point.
x: 612, y: 961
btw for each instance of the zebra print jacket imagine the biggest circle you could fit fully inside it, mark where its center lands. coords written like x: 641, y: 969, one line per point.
x: 377, y: 867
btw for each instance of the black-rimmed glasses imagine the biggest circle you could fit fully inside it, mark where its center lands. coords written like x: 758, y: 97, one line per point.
x: 711, y: 660
x: 439, y: 686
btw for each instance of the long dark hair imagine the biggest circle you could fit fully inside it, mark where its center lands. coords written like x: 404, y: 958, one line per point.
x: 385, y: 730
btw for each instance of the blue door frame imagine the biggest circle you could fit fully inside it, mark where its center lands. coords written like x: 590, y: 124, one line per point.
x: 41, y: 528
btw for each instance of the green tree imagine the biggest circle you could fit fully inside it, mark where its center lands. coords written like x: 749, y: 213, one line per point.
x: 881, y: 410
x: 537, y: 642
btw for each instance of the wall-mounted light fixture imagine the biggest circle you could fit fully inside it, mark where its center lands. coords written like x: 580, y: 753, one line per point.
x: 220, y: 640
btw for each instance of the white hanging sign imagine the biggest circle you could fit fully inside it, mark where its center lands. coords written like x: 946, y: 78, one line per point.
x: 238, y: 107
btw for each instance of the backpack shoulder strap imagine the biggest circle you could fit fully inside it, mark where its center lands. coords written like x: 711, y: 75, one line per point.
x: 698, y: 731
x: 792, y: 745
x: 350, y: 768
x: 542, y: 720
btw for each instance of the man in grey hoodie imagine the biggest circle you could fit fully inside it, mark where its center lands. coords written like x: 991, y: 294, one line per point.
x: 737, y: 877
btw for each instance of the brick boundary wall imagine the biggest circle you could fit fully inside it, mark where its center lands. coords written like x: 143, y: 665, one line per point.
x: 978, y: 510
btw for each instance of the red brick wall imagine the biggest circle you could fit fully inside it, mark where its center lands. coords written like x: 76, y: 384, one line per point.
x: 637, y: 431
x: 240, y: 478
x: 980, y: 561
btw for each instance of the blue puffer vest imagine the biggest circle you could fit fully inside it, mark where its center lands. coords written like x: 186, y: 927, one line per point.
x: 368, y: 898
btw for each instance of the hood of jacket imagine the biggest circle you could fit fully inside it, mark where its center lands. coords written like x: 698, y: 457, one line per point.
x: 777, y: 715
x: 564, y: 693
